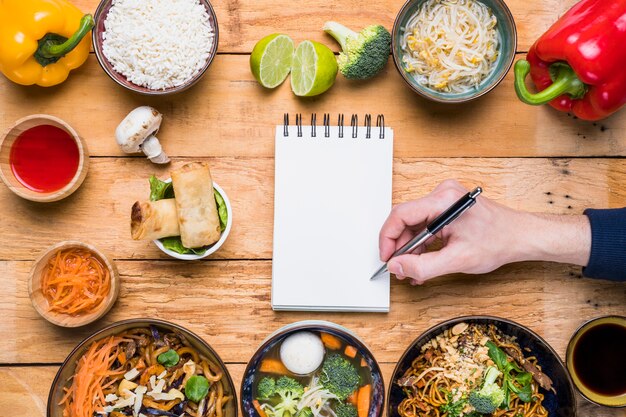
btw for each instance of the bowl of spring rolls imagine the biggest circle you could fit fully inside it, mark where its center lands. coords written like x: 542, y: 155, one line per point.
x: 188, y: 216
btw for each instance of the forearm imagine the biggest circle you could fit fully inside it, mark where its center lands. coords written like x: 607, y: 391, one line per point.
x: 554, y: 238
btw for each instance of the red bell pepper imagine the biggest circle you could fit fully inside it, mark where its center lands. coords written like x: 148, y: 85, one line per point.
x: 579, y: 64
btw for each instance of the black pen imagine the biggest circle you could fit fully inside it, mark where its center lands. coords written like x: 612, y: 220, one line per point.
x: 435, y: 226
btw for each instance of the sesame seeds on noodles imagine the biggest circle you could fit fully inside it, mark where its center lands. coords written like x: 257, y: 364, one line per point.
x: 157, y: 44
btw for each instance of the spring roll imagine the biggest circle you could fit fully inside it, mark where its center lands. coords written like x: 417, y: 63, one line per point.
x: 154, y: 219
x: 195, y: 203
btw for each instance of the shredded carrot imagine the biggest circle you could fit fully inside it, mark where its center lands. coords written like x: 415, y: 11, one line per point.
x: 94, y: 371
x: 75, y: 282
x: 350, y: 351
x: 330, y: 341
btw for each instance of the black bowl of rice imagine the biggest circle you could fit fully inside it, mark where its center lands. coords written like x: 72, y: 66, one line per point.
x: 155, y: 47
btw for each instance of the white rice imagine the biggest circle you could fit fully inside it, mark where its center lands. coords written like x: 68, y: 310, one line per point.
x: 157, y: 44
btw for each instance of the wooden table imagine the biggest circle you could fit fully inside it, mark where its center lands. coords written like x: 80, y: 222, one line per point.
x: 529, y: 158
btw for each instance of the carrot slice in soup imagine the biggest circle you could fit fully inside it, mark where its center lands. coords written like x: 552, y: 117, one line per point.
x: 273, y: 366
x: 257, y: 407
x: 363, y: 400
x: 350, y: 351
x: 330, y: 341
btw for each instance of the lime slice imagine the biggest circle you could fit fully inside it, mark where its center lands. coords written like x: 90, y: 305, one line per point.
x: 314, y: 69
x: 271, y: 58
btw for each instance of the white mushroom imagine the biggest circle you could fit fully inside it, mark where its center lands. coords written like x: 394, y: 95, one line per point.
x: 136, y: 133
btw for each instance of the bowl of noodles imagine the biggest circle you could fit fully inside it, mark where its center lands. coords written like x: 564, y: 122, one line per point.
x: 453, y: 51
x: 480, y: 366
x: 142, y: 367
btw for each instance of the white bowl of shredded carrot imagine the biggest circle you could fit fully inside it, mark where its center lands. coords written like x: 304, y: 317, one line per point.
x: 72, y: 284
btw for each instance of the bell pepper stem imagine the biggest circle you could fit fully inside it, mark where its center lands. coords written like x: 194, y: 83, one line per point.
x: 564, y: 81
x: 54, y: 47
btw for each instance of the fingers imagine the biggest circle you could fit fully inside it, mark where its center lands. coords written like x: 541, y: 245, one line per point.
x: 421, y: 268
x: 414, y: 213
x: 402, y: 216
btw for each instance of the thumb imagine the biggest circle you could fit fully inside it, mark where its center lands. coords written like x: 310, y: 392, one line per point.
x: 424, y: 266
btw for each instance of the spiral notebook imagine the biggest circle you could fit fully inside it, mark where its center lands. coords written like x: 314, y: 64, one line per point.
x: 332, y: 195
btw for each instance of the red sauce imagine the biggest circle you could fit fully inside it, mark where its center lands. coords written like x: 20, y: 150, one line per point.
x: 44, y: 158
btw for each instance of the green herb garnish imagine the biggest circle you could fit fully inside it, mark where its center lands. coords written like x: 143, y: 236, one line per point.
x: 196, y: 388
x: 169, y: 358
x: 453, y: 408
x: 519, y: 384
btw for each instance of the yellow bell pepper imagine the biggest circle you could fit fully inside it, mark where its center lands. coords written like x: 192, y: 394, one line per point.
x: 41, y: 41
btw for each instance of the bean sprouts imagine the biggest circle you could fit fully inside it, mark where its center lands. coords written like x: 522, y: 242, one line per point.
x: 317, y: 398
x: 451, y: 45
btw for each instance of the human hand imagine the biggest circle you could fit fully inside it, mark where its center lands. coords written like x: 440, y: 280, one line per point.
x: 484, y: 238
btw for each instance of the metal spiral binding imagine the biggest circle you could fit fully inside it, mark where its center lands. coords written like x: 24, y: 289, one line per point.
x: 380, y: 124
x: 340, y: 124
x: 326, y: 125
x: 313, y: 125
x: 299, y: 124
x: 286, y: 125
x: 354, y: 123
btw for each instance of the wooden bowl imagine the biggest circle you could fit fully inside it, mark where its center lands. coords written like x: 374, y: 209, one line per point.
x: 6, y: 173
x: 64, y: 320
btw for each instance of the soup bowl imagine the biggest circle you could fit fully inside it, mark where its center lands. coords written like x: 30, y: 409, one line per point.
x: 68, y: 367
x: 561, y: 403
x: 272, y: 344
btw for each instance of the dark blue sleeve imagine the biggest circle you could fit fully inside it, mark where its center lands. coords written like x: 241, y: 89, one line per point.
x: 608, y: 244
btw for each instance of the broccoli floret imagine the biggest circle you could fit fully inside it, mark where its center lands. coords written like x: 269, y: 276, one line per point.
x: 285, y: 391
x: 266, y: 388
x: 363, y: 54
x: 288, y: 386
x: 339, y: 376
x: 345, y: 410
x: 490, y: 396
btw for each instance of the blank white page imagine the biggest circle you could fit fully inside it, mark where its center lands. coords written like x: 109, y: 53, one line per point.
x: 332, y: 196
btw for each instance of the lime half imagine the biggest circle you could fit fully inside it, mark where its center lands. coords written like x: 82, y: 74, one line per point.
x: 314, y: 69
x: 271, y: 58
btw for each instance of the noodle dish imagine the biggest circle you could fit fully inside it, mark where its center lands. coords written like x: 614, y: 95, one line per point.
x: 479, y: 368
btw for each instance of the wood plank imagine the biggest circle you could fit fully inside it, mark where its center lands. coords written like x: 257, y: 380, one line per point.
x: 229, y: 114
x: 114, y: 184
x: 33, y: 383
x: 228, y: 304
x: 243, y: 22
